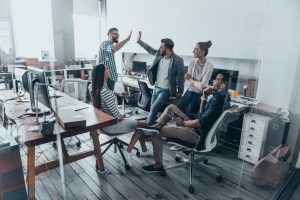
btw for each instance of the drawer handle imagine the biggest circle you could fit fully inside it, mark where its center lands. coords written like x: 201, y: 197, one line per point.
x: 253, y: 121
x: 249, y: 142
x: 251, y: 128
x: 248, y: 149
x: 247, y: 156
x: 250, y: 135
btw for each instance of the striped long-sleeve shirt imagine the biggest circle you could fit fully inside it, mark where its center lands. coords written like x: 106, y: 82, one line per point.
x: 109, y: 103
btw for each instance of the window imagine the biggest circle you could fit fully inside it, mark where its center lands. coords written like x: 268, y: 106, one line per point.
x: 32, y: 26
x: 6, y: 51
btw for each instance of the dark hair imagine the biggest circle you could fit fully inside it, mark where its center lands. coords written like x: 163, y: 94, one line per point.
x: 204, y: 46
x: 168, y: 43
x: 97, y: 84
x: 111, y: 30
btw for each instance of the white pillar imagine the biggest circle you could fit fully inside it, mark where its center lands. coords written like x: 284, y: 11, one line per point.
x: 63, y: 31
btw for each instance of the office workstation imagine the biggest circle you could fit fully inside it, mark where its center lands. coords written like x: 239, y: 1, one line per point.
x: 87, y: 106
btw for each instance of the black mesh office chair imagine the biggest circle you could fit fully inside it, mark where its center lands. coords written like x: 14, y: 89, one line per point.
x: 144, y: 96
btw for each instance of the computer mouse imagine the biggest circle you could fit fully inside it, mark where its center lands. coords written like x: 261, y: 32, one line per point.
x: 136, y: 112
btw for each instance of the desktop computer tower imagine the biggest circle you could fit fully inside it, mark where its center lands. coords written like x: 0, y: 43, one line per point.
x: 277, y: 134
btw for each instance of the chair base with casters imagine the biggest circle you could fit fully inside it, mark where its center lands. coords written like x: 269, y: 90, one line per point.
x: 118, y: 145
x: 202, y: 147
x: 189, y: 149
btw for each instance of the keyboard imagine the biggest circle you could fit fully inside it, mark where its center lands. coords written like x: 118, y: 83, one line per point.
x: 3, y: 142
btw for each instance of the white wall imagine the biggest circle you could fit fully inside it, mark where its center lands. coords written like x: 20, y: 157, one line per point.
x: 258, y: 34
x: 231, y: 24
x: 280, y: 44
x: 4, y: 10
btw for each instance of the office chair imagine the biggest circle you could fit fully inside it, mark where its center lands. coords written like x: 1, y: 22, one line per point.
x: 77, y: 89
x: 121, y: 93
x: 118, y: 144
x: 144, y: 96
x: 200, y: 149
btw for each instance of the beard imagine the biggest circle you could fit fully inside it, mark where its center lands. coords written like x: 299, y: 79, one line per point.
x: 162, y: 53
x: 116, y: 40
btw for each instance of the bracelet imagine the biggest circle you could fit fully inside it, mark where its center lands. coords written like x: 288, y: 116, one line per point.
x: 204, y: 98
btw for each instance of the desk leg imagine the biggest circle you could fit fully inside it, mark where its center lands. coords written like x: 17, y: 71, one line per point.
x: 31, y: 172
x: 98, y: 155
x: 64, y: 149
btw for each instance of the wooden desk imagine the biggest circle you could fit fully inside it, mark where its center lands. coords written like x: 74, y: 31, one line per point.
x: 95, y: 119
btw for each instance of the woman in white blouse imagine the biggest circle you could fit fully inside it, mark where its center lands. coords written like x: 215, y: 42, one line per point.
x: 106, y: 100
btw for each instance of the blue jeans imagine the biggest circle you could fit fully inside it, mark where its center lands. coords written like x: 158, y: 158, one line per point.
x: 159, y: 97
x: 111, y: 84
x: 190, y: 102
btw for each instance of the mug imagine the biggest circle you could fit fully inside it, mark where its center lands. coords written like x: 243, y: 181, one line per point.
x: 234, y: 93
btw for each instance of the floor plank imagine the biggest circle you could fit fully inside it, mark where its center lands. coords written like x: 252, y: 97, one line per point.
x: 83, y: 182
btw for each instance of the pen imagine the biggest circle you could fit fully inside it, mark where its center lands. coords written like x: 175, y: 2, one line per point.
x: 80, y: 109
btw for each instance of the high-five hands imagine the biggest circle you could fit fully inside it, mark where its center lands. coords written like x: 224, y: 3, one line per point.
x: 129, y: 36
x: 139, y: 36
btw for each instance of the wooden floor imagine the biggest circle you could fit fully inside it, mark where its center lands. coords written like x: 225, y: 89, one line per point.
x: 82, y: 181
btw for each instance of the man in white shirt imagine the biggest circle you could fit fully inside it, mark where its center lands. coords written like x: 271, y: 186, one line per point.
x: 166, y: 73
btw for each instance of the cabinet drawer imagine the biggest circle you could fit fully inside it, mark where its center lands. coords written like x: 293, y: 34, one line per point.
x: 249, y: 149
x: 249, y: 157
x: 252, y: 142
x: 256, y: 121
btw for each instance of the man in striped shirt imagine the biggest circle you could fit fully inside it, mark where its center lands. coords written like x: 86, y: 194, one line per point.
x: 107, y: 56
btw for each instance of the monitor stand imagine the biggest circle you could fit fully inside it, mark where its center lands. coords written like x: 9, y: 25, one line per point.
x: 30, y: 111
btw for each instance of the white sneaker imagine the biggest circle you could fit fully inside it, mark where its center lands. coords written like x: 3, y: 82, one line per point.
x: 146, y: 153
x: 128, y: 157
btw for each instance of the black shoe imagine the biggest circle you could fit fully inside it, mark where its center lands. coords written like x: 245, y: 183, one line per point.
x: 150, y: 130
x: 151, y: 169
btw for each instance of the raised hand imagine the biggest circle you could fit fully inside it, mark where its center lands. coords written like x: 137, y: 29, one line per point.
x: 129, y: 36
x: 139, y: 36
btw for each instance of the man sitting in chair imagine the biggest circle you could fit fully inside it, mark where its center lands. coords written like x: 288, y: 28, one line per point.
x: 185, y: 129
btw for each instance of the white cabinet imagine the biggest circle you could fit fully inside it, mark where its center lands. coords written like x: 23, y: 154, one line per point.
x: 253, y: 137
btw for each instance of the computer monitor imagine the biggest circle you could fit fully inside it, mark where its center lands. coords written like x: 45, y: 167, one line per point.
x: 21, y: 81
x: 38, y: 76
x: 231, y: 76
x: 7, y: 80
x: 139, y: 67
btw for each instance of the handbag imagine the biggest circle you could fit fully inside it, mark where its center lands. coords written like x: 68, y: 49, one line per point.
x: 271, y: 169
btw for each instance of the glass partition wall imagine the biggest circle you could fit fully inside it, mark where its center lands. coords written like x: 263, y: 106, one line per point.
x: 268, y: 150
x: 257, y: 151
